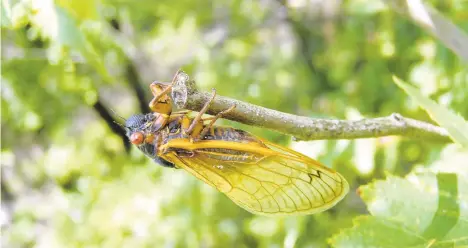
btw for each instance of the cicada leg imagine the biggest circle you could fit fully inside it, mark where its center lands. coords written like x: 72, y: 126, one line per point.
x: 179, y: 114
x: 161, y: 102
x: 197, y: 123
x: 197, y: 130
x: 213, y: 120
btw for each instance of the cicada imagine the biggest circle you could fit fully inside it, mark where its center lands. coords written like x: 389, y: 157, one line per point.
x: 259, y: 176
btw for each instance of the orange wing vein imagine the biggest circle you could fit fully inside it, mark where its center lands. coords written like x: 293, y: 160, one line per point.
x: 271, y: 180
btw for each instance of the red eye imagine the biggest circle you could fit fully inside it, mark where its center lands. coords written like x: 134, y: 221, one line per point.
x: 136, y: 138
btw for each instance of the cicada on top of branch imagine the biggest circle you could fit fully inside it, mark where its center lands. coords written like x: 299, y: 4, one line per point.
x: 259, y: 176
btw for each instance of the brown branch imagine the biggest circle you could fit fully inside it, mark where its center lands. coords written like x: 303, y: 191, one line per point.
x: 186, y: 96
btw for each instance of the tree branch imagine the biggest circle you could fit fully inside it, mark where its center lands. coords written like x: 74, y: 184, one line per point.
x: 107, y: 117
x: 134, y: 81
x: 186, y: 96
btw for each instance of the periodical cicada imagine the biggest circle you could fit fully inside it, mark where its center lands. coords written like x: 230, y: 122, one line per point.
x: 259, y: 176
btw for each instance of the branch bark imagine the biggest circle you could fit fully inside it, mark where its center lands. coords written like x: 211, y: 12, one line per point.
x: 186, y: 96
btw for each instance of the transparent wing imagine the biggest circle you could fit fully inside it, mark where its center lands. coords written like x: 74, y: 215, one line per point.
x: 270, y: 181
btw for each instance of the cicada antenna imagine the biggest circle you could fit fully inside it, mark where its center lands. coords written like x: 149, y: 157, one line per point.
x: 120, y: 124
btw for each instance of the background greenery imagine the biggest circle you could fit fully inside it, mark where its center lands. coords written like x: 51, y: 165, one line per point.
x: 70, y: 178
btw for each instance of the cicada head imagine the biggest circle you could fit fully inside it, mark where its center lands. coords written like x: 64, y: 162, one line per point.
x: 142, y: 131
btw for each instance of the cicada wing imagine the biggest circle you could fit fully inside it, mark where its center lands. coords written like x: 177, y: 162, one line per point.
x: 282, y: 182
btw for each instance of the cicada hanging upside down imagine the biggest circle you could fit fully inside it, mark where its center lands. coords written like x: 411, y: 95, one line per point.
x: 259, y: 176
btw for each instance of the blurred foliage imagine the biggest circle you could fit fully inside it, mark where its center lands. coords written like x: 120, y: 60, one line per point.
x: 435, y: 216
x: 69, y: 179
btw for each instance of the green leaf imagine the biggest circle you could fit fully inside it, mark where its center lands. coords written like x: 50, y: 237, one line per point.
x: 427, y: 208
x: 85, y: 9
x: 61, y: 27
x: 5, y: 14
x: 455, y: 124
x: 369, y: 231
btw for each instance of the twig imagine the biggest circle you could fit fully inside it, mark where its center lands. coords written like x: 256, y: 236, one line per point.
x: 186, y: 96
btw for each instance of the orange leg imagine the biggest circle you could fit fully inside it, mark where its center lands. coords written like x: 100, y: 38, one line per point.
x: 168, y: 86
x: 197, y: 120
x: 156, y: 89
x: 182, y: 112
x: 179, y: 114
x: 213, y: 120
x: 161, y: 101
